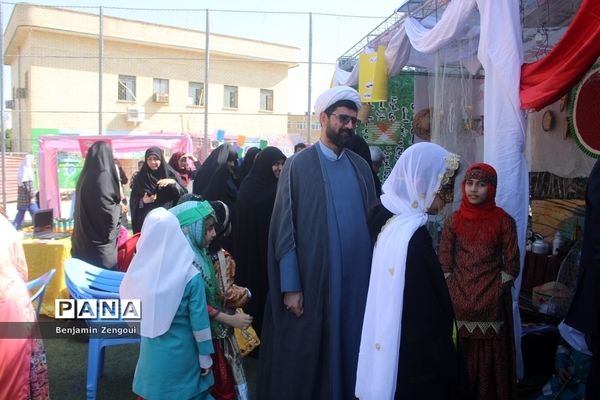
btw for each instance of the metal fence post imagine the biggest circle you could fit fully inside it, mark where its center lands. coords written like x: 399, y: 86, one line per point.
x: 100, y: 70
x: 308, y: 113
x: 206, y: 146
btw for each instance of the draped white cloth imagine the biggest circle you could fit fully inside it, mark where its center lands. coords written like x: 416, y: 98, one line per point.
x: 452, y: 23
x: 159, y: 271
x: 408, y: 193
x: 25, y: 170
x: 413, y: 42
x: 397, y: 52
x: 500, y: 53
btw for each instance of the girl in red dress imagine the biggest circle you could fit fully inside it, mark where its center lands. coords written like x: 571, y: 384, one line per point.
x: 480, y: 259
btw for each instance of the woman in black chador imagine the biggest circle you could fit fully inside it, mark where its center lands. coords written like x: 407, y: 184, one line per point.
x: 97, y: 209
x: 156, y: 185
x: 217, y: 180
x: 254, y: 208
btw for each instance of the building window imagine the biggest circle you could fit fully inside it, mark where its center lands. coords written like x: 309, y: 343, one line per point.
x: 196, y: 93
x: 230, y: 99
x: 161, y: 86
x: 315, y: 126
x: 266, y: 100
x: 300, y: 125
x: 126, y: 90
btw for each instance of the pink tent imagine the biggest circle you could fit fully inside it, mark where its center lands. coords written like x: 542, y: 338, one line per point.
x: 50, y: 145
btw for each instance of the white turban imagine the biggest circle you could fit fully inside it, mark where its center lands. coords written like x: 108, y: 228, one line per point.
x: 334, y: 95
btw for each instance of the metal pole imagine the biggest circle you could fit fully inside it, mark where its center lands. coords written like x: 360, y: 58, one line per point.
x: 308, y: 114
x: 206, y: 60
x: 100, y: 70
x: 2, y: 111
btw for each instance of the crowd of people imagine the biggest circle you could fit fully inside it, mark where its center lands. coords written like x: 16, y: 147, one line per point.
x: 336, y: 271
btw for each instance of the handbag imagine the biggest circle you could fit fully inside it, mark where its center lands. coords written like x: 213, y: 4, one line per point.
x: 246, y: 339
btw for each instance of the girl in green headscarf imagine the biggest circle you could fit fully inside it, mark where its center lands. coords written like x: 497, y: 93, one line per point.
x: 197, y: 220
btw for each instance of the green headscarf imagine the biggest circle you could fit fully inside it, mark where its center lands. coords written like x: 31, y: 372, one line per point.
x: 192, y: 216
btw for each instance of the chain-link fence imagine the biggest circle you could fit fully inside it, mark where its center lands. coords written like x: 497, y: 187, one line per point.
x: 118, y: 70
x: 248, y: 77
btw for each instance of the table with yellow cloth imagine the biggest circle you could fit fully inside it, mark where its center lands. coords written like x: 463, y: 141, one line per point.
x: 42, y: 256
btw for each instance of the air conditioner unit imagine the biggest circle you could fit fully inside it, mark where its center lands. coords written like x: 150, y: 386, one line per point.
x: 161, y: 97
x: 9, y: 104
x: 135, y: 114
x: 21, y: 93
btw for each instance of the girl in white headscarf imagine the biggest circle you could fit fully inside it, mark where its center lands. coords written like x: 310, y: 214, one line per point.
x: 174, y: 360
x: 25, y: 193
x: 406, y: 348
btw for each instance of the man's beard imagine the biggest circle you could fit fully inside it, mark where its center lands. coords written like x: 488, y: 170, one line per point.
x: 341, y: 138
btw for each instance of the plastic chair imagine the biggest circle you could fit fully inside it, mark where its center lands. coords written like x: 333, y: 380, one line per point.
x: 85, y: 281
x: 40, y: 283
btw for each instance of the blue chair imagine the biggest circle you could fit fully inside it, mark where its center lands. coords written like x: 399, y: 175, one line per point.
x: 85, y: 281
x: 39, y: 285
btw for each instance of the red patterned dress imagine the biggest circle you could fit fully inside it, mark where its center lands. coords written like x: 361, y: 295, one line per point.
x: 479, y: 256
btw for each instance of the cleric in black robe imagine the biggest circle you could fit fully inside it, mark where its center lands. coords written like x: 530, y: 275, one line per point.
x: 217, y: 180
x: 319, y: 261
x: 247, y: 164
x: 254, y: 208
x: 156, y: 185
x: 584, y: 314
x: 97, y: 209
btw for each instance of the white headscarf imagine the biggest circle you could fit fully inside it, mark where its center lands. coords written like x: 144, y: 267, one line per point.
x: 409, y: 191
x: 334, y: 95
x: 159, y: 271
x: 25, y: 170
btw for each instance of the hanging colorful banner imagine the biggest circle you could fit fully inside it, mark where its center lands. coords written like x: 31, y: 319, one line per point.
x: 220, y: 135
x: 372, y: 76
x: 389, y: 123
x: 241, y: 139
x: 263, y: 144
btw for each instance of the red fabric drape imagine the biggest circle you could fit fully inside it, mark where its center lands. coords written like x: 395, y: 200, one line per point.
x: 546, y: 80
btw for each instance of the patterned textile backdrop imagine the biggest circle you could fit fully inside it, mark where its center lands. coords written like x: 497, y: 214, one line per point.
x: 389, y: 123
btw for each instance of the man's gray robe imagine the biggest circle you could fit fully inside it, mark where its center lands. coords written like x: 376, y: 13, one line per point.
x: 294, y: 355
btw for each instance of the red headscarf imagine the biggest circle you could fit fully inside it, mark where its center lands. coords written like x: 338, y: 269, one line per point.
x: 486, y: 211
x: 183, y: 172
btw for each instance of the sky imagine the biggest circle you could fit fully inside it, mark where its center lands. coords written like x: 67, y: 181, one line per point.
x: 337, y: 27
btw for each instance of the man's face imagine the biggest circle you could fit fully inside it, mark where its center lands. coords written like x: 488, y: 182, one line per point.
x: 341, y: 126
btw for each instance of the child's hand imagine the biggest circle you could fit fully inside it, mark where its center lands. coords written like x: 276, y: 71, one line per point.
x: 240, y: 320
x: 205, y: 371
x: 563, y: 375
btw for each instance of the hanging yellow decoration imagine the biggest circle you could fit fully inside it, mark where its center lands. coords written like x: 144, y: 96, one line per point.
x: 372, y: 76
